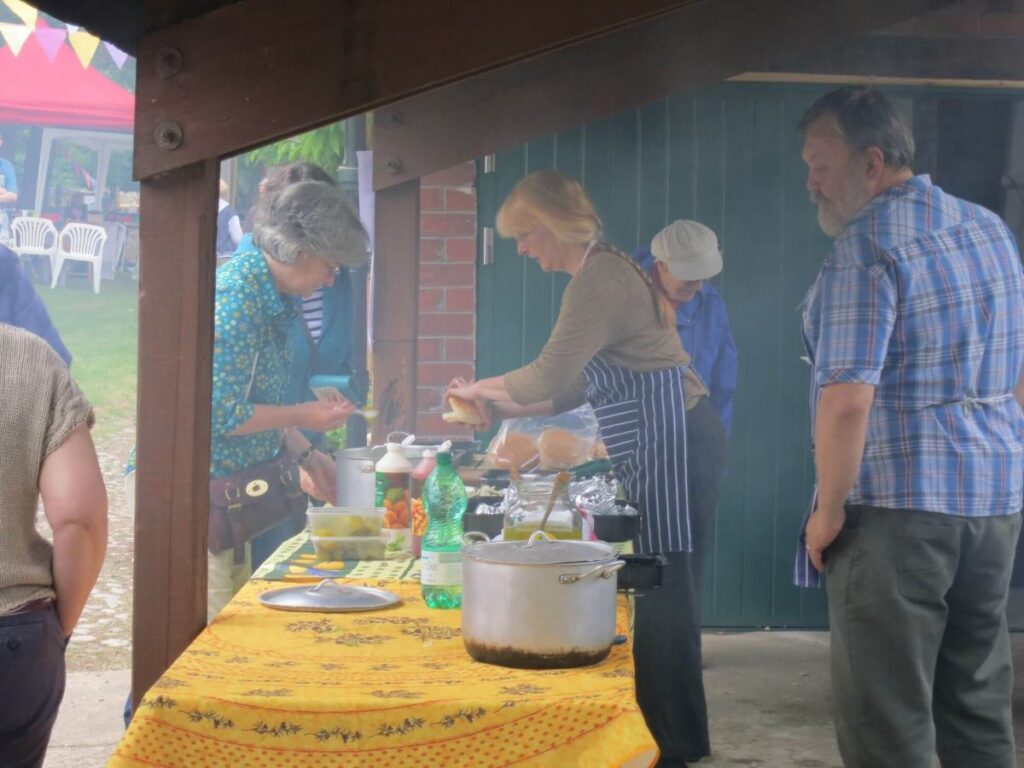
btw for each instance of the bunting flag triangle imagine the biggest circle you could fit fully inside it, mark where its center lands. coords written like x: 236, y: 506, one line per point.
x: 72, y: 28
x: 50, y: 40
x: 84, y: 45
x: 15, y: 35
x: 23, y: 11
x: 119, y: 56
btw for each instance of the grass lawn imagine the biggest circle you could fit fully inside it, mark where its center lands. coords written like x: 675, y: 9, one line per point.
x: 102, y: 332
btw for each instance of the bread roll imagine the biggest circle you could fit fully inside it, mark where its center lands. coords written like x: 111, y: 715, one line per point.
x: 561, y: 449
x: 515, y: 451
x: 462, y: 412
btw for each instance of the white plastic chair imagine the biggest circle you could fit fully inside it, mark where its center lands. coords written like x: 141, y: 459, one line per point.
x: 34, y: 236
x: 81, y: 242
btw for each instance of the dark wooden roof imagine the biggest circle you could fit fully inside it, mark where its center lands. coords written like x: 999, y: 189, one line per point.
x: 123, y: 22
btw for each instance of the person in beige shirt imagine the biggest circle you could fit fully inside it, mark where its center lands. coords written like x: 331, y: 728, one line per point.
x: 45, y: 452
x: 615, y: 346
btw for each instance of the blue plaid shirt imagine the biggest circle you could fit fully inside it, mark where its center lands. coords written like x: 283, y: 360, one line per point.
x: 922, y: 297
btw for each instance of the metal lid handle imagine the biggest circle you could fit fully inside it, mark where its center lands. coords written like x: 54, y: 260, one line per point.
x: 537, y: 536
x: 326, y: 583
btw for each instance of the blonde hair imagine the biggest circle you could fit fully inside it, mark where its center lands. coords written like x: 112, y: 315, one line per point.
x: 554, y: 201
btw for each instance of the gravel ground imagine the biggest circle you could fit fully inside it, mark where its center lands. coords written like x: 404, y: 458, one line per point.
x: 103, y: 638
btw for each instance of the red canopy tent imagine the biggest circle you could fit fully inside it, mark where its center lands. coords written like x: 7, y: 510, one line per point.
x: 62, y: 93
x: 67, y: 102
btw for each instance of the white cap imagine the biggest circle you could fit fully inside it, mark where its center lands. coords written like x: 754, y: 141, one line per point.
x: 688, y: 249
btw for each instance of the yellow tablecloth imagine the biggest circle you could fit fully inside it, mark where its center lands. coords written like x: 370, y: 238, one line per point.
x: 270, y: 688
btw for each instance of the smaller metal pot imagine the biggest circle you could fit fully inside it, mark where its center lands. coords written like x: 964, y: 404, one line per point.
x: 357, y: 478
x: 538, y: 604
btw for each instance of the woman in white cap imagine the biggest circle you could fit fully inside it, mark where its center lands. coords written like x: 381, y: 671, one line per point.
x: 681, y: 259
x: 615, y: 346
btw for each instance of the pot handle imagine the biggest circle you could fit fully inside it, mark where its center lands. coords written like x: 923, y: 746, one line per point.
x: 470, y: 536
x: 605, y: 571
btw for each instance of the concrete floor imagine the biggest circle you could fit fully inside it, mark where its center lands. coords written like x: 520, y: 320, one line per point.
x: 90, y: 721
x: 768, y: 700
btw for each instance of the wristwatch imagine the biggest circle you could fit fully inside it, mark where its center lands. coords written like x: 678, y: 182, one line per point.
x: 303, y: 458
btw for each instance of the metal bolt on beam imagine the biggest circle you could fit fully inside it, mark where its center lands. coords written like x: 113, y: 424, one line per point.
x: 168, y: 135
x: 393, y: 164
x: 169, y: 61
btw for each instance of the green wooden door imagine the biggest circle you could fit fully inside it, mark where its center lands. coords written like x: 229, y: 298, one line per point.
x: 727, y: 156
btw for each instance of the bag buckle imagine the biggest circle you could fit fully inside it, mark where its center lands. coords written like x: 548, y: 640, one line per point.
x: 257, y: 488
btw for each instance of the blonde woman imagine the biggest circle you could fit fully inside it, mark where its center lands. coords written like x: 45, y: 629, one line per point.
x: 615, y: 346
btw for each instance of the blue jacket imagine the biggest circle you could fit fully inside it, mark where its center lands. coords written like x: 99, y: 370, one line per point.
x: 703, y: 326
x: 332, y: 354
x: 10, y: 180
x: 20, y: 305
x: 224, y: 242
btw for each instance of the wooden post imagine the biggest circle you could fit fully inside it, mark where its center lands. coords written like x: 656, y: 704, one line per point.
x: 176, y: 291
x: 395, y: 287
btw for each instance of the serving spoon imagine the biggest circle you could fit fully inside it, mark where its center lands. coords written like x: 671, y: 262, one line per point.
x: 561, y: 480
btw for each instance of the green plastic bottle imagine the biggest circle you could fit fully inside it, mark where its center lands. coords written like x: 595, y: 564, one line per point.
x: 444, y: 501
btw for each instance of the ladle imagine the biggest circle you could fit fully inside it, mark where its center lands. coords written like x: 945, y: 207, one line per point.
x: 561, y: 480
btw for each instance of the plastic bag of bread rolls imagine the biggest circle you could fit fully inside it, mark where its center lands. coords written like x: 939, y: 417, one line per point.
x: 546, y: 444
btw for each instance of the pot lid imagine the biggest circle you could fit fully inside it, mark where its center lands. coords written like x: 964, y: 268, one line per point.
x: 329, y: 597
x: 540, y: 549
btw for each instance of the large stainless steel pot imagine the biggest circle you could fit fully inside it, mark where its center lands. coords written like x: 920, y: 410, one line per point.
x: 539, y: 604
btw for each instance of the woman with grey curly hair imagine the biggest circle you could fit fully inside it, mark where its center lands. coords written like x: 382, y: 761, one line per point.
x: 320, y: 339
x: 304, y: 235
x: 309, y: 220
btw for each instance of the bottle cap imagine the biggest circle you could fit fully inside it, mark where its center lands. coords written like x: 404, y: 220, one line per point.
x: 445, y: 447
x: 429, y: 453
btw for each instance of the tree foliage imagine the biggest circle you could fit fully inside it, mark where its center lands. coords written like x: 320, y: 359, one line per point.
x: 323, y: 146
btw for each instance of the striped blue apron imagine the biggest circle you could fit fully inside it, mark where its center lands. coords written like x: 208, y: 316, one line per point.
x: 642, y: 416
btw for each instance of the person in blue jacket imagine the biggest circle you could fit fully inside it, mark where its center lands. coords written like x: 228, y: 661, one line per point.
x: 20, y: 305
x: 682, y: 258
x: 319, y: 340
x: 8, y: 194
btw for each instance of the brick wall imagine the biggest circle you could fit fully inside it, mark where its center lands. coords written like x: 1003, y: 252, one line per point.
x: 447, y: 299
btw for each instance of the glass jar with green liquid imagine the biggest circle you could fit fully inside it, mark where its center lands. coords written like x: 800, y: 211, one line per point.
x: 524, y: 516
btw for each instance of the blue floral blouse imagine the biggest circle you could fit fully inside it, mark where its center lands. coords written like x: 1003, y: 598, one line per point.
x: 251, y: 360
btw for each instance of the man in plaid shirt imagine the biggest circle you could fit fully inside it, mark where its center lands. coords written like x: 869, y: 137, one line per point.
x: 915, y: 329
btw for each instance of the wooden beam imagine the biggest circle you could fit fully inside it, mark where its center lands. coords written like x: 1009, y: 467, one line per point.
x: 176, y: 291
x: 395, y: 304
x: 249, y: 73
x: 693, y: 45
x: 837, y: 80
x: 933, y: 58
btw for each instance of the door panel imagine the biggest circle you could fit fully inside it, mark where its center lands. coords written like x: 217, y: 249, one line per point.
x: 728, y: 156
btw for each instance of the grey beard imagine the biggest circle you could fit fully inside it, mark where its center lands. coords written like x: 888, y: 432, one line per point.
x: 830, y: 224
